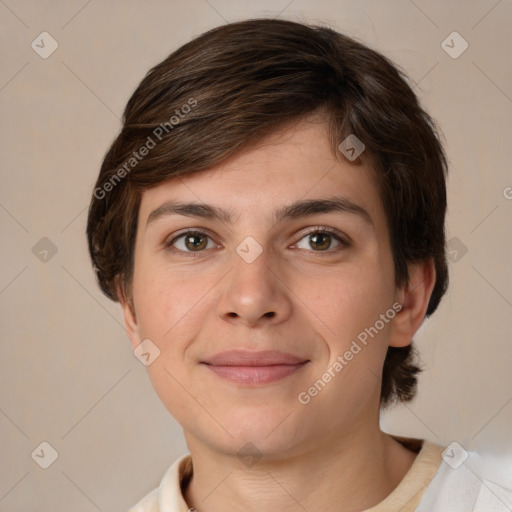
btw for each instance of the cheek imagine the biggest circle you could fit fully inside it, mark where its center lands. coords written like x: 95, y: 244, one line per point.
x: 354, y: 300
x: 163, y: 298
x: 350, y: 308
x: 172, y: 307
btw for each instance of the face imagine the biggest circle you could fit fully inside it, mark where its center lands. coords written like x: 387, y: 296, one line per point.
x: 259, y: 278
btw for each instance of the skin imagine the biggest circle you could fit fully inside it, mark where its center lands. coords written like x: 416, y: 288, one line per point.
x: 304, y: 295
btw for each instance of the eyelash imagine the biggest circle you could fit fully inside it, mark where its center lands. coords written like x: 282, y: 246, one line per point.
x: 318, y: 229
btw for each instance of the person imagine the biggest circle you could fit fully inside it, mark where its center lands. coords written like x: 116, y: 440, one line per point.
x: 271, y: 220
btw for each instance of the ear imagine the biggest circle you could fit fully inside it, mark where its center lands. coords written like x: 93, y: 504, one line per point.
x: 414, y: 298
x: 130, y: 319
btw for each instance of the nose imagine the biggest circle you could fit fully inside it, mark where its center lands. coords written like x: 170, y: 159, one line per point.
x: 254, y: 293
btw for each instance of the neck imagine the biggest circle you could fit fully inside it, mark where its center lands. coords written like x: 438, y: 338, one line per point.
x: 350, y: 474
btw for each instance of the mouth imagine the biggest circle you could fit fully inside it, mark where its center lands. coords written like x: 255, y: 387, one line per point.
x: 253, y: 368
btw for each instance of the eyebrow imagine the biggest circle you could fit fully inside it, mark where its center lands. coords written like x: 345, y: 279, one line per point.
x: 298, y: 209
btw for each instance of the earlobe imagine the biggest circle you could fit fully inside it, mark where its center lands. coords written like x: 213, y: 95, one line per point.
x: 414, y: 297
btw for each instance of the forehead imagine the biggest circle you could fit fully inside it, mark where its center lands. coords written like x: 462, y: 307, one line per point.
x: 294, y: 163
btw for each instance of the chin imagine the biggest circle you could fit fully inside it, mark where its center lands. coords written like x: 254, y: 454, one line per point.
x: 270, y: 433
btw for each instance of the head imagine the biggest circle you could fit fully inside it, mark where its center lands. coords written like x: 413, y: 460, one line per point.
x: 248, y: 118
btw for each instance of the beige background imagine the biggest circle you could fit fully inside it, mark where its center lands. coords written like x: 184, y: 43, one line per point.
x: 68, y: 374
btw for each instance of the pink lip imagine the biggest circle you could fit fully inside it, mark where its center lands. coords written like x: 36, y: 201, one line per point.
x: 246, y: 367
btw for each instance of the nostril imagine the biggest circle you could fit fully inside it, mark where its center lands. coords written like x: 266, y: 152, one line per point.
x: 270, y: 314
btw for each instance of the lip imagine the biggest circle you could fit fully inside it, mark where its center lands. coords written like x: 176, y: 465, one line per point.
x: 249, y: 367
x: 252, y: 358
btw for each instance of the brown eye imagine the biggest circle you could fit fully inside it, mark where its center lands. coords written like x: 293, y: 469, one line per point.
x: 321, y: 240
x: 195, y: 242
x: 192, y: 242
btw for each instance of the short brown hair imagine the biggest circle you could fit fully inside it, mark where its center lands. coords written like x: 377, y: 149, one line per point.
x: 233, y: 85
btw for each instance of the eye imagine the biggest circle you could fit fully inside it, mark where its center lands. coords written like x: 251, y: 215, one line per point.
x: 320, y: 240
x: 191, y: 241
